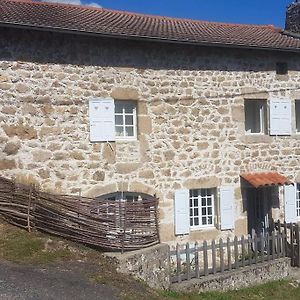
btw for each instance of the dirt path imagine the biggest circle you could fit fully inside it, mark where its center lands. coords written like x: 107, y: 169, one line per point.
x: 63, y: 282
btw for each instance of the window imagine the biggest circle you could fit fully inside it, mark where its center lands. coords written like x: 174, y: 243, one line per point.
x: 298, y: 200
x: 112, y: 120
x: 281, y: 68
x: 202, y: 208
x: 126, y: 196
x: 125, y: 120
x: 255, y: 116
x: 297, y: 115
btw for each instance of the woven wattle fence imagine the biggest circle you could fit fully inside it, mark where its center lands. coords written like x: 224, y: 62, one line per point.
x: 110, y: 225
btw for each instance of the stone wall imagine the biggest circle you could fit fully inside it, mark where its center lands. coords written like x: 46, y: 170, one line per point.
x: 151, y: 265
x: 237, y: 279
x: 190, y: 118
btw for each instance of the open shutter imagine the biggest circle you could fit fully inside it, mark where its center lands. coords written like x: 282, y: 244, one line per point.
x: 227, y: 207
x: 102, y: 119
x: 182, y: 208
x: 280, y: 117
x: 290, y: 203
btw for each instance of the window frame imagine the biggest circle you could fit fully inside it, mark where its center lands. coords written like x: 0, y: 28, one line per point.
x: 124, y: 125
x: 262, y: 116
x: 296, y: 129
x: 199, y: 197
x: 298, y: 200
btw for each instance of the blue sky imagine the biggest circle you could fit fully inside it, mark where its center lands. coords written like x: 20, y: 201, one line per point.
x: 231, y: 11
x: 234, y: 11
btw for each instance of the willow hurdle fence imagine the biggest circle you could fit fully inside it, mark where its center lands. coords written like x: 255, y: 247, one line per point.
x: 110, y: 225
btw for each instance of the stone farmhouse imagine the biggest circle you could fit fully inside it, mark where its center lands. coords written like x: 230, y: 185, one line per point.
x: 116, y: 105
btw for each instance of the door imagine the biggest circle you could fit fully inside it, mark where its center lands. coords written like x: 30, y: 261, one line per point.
x: 259, y: 210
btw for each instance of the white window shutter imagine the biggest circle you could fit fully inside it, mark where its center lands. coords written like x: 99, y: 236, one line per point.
x: 280, y: 116
x: 290, y: 203
x: 227, y: 207
x: 102, y: 119
x: 182, y: 209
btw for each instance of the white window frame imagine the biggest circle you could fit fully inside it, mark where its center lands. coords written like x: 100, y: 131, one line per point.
x: 124, y: 114
x: 192, y: 207
x: 298, y: 200
x: 262, y: 116
x: 297, y: 101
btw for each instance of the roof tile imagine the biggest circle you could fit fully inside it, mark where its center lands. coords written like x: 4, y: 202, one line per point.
x: 53, y: 16
x: 265, y: 179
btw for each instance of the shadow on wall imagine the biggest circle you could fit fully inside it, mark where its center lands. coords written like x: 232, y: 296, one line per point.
x: 60, y: 48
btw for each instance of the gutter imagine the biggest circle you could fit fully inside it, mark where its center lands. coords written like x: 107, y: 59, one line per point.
x: 152, y: 39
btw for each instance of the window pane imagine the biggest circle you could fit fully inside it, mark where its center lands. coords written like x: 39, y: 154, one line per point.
x: 297, y: 104
x: 119, y: 131
x: 196, y: 212
x: 209, y: 211
x: 129, y: 107
x: 118, y: 107
x: 203, y: 202
x: 196, y: 202
x: 254, y: 116
x: 196, y: 221
x: 209, y: 201
x: 204, y: 221
x: 129, y: 120
x: 191, y: 211
x: 191, y: 221
x: 119, y: 120
x: 129, y: 131
x: 203, y: 192
x: 203, y: 211
x: 209, y: 220
x: 191, y: 202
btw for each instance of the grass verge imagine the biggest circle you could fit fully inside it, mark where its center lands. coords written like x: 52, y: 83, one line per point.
x: 277, y: 290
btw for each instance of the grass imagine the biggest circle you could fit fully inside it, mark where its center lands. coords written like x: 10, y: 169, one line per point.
x: 20, y: 246
x: 277, y: 290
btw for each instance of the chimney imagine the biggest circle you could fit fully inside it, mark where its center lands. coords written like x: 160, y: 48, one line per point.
x: 292, y: 21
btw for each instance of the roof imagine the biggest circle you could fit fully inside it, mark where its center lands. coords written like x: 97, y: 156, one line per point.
x: 105, y: 22
x: 265, y: 179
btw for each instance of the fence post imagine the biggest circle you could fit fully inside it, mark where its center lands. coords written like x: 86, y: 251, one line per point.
x: 292, y: 245
x: 178, y: 260
x: 188, y: 261
x: 255, y: 248
x: 236, y: 253
x: 262, y: 247
x: 243, y: 250
x: 213, y: 254
x: 229, y: 254
x: 156, y: 219
x: 273, y: 245
x: 205, y: 258
x: 197, y: 260
x: 268, y: 246
x: 298, y: 244
x: 285, y: 237
x: 250, y: 252
x: 28, y: 209
x: 221, y: 256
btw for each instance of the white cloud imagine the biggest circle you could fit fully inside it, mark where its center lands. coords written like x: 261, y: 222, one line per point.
x: 93, y: 4
x: 78, y: 2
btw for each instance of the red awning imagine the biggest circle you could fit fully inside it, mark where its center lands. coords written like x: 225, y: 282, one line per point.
x: 265, y: 179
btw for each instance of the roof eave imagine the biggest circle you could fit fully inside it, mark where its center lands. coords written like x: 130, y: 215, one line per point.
x: 146, y: 38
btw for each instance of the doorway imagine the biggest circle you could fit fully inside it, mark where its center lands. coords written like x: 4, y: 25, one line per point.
x: 259, y: 204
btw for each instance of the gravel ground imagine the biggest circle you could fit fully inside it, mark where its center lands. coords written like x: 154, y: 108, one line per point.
x: 59, y: 282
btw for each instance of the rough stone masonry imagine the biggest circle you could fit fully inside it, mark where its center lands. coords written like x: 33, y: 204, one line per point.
x: 191, y: 131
